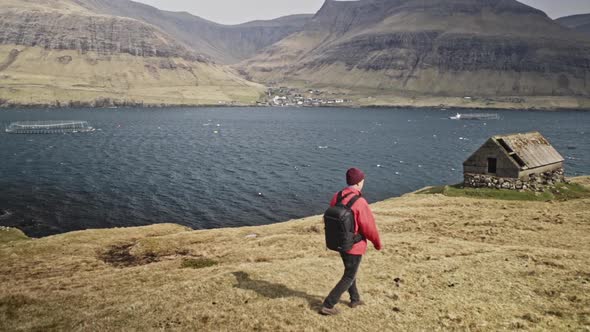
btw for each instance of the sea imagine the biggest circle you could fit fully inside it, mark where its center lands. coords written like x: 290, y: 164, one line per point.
x: 230, y: 167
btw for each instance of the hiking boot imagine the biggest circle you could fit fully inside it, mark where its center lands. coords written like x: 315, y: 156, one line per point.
x: 354, y: 304
x: 329, y: 312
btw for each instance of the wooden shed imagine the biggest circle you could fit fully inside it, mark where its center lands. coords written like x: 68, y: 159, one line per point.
x: 516, y: 156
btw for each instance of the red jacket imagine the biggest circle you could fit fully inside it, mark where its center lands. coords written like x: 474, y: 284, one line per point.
x: 365, y: 222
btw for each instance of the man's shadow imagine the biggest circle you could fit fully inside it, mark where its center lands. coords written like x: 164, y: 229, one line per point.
x: 274, y: 291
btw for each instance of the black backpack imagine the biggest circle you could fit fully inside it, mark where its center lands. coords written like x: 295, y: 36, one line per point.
x: 339, y: 225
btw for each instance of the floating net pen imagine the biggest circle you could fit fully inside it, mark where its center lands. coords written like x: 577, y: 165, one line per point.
x: 49, y: 127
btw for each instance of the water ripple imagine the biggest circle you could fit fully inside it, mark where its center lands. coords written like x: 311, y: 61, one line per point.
x: 219, y: 167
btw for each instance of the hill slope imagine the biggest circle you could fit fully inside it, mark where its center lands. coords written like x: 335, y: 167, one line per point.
x: 447, y: 264
x: 580, y: 23
x: 59, y: 52
x: 222, y: 43
x: 440, y: 48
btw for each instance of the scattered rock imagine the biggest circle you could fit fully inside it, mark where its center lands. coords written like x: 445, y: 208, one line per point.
x: 518, y: 325
x: 64, y: 60
x: 554, y: 313
x: 531, y: 318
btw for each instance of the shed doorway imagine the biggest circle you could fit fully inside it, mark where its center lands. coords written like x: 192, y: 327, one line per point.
x: 492, y: 165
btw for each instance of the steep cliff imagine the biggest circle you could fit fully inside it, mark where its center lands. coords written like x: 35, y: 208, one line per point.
x: 447, y: 48
x: 57, y: 52
x: 84, y: 32
x: 222, y: 43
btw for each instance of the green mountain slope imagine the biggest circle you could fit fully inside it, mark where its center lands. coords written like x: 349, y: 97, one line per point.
x: 429, y: 47
x: 579, y: 23
x: 59, y: 52
x: 222, y: 43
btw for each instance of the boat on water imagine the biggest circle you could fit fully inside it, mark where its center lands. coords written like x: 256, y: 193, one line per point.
x: 49, y: 127
x: 476, y: 116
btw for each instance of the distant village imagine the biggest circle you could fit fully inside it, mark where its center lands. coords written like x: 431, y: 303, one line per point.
x: 283, y: 96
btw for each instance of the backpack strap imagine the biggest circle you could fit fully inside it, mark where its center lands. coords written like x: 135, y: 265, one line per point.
x: 340, y: 198
x: 352, y: 201
x: 357, y: 237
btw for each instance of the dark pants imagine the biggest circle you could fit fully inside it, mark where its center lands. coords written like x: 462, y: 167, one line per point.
x: 347, y: 283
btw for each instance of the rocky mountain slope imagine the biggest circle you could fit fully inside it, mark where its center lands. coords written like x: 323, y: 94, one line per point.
x: 429, y: 47
x: 370, y: 52
x: 222, y: 43
x: 59, y: 51
x: 580, y: 23
x: 88, y: 33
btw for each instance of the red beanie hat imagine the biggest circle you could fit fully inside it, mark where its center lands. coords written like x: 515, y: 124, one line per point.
x: 354, y: 176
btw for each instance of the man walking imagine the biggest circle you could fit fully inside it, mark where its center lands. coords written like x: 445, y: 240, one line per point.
x: 365, y: 227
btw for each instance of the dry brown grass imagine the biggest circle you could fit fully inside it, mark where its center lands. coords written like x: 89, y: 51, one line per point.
x: 448, y: 264
x: 39, y: 76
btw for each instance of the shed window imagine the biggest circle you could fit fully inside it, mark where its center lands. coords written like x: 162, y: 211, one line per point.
x: 492, y: 165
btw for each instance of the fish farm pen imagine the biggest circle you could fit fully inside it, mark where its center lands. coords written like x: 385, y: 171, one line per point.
x: 49, y: 127
x: 476, y: 116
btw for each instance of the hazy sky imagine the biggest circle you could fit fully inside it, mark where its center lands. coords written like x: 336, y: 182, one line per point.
x: 239, y: 11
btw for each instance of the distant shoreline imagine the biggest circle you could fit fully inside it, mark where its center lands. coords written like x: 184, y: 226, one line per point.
x: 375, y: 106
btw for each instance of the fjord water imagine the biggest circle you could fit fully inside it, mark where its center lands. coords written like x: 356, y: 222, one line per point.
x: 227, y: 167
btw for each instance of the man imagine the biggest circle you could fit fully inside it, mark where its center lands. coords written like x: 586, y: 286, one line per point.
x: 365, y: 226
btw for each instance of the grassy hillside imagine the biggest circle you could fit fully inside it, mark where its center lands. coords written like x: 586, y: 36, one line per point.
x: 390, y: 52
x: 579, y: 23
x: 367, y: 97
x: 449, y: 263
x: 8, y: 234
x: 62, y: 52
x: 561, y: 192
x: 33, y: 75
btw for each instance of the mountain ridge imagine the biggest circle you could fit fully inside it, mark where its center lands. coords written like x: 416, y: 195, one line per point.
x: 58, y: 52
x: 222, y: 43
x: 370, y: 52
x: 409, y: 46
x: 580, y: 22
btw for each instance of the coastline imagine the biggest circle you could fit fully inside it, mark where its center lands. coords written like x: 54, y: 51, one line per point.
x: 528, y: 103
x: 379, y: 106
x: 448, y: 263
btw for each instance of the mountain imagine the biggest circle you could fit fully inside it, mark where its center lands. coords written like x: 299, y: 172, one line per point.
x: 580, y: 23
x: 430, y: 47
x: 120, y: 51
x: 226, y: 44
x: 62, y: 51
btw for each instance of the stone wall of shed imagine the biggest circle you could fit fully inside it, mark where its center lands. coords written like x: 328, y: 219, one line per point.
x: 534, y: 182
